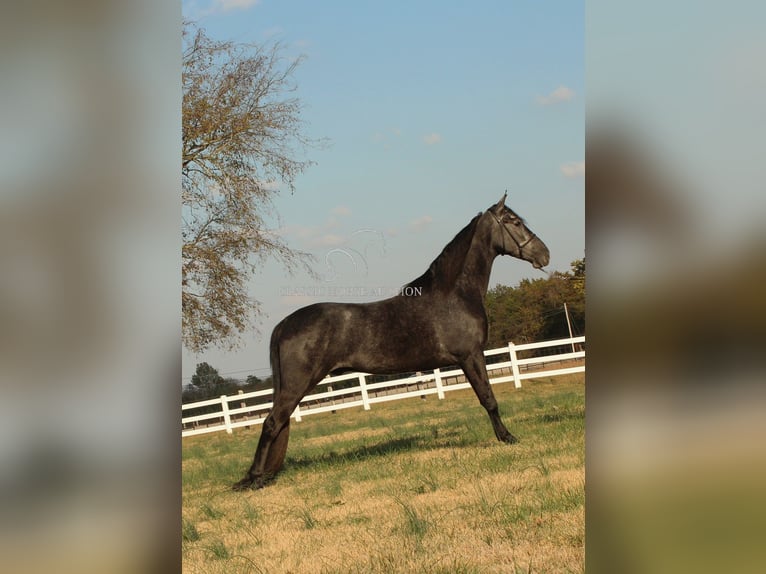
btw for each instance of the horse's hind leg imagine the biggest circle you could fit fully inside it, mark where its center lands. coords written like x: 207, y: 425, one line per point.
x: 276, y: 455
x: 475, y: 368
x: 272, y: 446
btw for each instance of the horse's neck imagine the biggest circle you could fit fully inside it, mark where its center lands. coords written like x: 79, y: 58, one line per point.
x: 474, y: 277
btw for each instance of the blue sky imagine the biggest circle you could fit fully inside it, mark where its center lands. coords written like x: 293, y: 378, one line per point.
x: 432, y: 110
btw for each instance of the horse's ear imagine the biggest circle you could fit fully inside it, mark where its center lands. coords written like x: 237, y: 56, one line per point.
x: 500, y: 204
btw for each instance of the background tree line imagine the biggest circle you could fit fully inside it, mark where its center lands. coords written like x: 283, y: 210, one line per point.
x: 534, y: 309
x: 207, y: 383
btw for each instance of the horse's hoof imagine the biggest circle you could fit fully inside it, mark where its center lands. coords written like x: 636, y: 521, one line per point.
x: 249, y: 483
x: 509, y: 439
x: 244, y: 484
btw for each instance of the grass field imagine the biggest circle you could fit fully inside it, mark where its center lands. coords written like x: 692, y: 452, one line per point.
x: 410, y: 486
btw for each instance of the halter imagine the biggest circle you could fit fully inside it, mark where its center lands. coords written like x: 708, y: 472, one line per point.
x: 519, y: 246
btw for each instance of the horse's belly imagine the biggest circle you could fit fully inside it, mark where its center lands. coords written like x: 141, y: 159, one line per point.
x: 399, y: 354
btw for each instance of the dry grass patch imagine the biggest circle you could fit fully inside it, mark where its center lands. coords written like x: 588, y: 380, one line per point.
x: 389, y: 490
x: 346, y: 436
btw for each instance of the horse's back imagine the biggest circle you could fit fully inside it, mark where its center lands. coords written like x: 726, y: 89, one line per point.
x: 350, y: 336
x: 306, y: 320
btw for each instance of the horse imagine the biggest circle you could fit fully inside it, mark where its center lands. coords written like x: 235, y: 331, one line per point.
x: 434, y: 321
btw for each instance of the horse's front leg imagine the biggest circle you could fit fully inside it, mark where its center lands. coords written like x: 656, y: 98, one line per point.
x: 475, y: 368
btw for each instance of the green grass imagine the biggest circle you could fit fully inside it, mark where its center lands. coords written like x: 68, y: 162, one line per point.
x: 189, y: 532
x: 307, y: 518
x: 410, y: 486
x: 415, y: 524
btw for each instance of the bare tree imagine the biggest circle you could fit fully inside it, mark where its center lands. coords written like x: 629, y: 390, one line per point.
x: 242, y: 136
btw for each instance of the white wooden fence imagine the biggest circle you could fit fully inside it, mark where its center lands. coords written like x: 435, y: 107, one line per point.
x: 569, y: 358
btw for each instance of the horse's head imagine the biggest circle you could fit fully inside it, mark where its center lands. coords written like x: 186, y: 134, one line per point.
x: 511, y: 236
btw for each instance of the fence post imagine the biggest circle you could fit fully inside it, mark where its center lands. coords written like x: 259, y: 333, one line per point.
x: 297, y: 413
x: 514, y: 365
x: 226, y: 417
x: 243, y: 404
x: 365, y: 397
x: 438, y: 381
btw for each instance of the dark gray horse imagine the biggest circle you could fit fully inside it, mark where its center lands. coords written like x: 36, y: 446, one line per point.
x: 445, y: 324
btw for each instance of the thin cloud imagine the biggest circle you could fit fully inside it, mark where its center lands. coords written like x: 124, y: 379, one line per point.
x: 326, y: 234
x: 560, y: 94
x: 328, y: 240
x: 341, y: 210
x: 386, y: 136
x: 573, y: 169
x: 420, y: 223
x: 217, y: 7
x: 297, y: 231
x: 432, y: 139
x: 229, y: 5
x: 273, y: 31
x: 270, y: 185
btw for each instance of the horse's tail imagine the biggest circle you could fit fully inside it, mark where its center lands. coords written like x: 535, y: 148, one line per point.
x: 276, y: 371
x: 278, y: 449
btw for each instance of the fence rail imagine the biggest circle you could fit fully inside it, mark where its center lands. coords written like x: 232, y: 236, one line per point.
x: 566, y: 356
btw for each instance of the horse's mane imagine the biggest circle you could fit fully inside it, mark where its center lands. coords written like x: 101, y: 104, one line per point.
x: 444, y: 270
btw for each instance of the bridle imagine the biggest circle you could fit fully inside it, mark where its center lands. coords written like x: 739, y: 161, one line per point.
x: 519, y: 246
